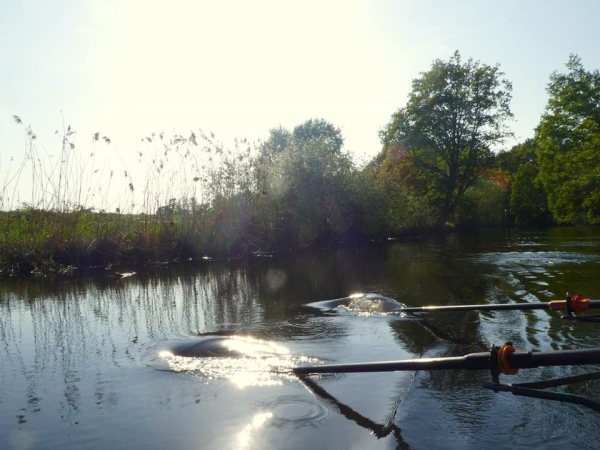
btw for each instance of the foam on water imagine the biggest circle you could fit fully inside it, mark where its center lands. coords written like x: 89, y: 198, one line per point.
x: 359, y: 304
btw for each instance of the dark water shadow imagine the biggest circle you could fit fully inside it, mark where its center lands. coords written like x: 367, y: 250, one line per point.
x: 377, y: 429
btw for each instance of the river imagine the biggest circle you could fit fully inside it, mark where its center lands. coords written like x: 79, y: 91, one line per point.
x: 88, y: 362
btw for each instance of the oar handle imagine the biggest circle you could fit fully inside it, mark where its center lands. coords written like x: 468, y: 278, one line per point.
x: 576, y: 304
x: 529, y: 359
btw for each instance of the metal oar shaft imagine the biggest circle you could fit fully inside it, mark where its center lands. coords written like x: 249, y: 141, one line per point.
x: 554, y: 304
x: 459, y: 362
x: 501, y: 307
x: 529, y: 360
x: 473, y: 361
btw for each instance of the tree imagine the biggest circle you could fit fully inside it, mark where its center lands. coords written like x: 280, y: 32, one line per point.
x: 279, y: 139
x: 304, y: 180
x: 406, y: 205
x: 316, y: 184
x: 528, y: 202
x: 455, y: 114
x: 322, y: 131
x: 569, y: 144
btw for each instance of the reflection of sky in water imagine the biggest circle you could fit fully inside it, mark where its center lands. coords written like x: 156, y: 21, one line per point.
x: 535, y: 272
x: 582, y: 243
x: 529, y: 244
x: 74, y: 357
x: 244, y: 438
x: 535, y: 258
x: 530, y: 276
x: 260, y: 363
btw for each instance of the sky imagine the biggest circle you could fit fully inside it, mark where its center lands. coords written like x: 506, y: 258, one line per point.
x: 128, y: 68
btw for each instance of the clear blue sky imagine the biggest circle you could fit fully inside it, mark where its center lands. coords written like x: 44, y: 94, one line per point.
x: 239, y: 68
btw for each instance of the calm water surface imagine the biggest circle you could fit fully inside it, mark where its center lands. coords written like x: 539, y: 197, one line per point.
x: 86, y: 363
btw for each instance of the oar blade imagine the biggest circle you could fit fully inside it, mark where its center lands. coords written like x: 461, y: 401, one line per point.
x: 359, y: 303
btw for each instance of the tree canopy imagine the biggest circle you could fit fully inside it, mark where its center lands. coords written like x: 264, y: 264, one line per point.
x: 304, y: 175
x: 569, y: 144
x: 320, y: 130
x: 455, y: 114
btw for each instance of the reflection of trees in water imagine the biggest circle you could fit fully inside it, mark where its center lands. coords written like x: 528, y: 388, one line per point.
x: 413, y: 335
x: 13, y: 365
x: 54, y: 333
x: 435, y: 272
x: 69, y: 336
x: 63, y: 335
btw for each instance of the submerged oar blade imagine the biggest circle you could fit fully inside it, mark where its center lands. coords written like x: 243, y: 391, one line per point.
x: 378, y: 303
x: 328, y: 305
x: 359, y: 303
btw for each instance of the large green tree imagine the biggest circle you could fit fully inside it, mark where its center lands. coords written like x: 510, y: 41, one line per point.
x: 569, y: 144
x: 455, y: 114
x: 527, y: 200
x: 304, y: 179
x: 322, y: 131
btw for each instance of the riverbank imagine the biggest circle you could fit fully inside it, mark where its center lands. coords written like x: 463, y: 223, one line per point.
x: 47, y: 243
x: 50, y: 243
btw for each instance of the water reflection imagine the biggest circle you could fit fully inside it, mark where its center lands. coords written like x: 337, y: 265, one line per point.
x: 244, y: 361
x: 244, y: 437
x: 378, y: 430
x: 54, y: 339
x: 299, y: 411
x: 74, y: 354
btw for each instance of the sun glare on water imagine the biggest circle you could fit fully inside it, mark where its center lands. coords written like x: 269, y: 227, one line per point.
x: 244, y: 437
x: 260, y: 363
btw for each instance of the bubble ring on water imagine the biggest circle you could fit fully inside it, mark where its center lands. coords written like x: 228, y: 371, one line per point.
x: 299, y: 411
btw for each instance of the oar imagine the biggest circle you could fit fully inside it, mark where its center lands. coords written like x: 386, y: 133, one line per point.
x: 555, y: 305
x: 577, y: 304
x: 472, y: 361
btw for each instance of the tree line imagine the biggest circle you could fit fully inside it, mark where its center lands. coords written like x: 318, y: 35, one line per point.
x: 439, y: 167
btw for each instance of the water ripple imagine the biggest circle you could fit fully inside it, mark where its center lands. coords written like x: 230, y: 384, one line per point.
x: 299, y: 411
x: 534, y: 259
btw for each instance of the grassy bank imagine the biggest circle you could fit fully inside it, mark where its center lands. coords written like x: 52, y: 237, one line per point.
x: 46, y: 242
x: 192, y: 197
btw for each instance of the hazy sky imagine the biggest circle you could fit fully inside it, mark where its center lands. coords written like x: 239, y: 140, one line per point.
x: 239, y: 68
